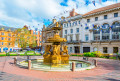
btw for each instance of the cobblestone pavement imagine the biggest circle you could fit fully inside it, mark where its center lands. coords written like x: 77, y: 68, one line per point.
x: 107, y: 70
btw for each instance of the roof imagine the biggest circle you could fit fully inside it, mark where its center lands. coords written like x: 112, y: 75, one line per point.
x: 7, y: 28
x: 103, y: 9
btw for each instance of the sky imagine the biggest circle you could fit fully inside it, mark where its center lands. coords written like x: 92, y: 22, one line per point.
x: 36, y: 13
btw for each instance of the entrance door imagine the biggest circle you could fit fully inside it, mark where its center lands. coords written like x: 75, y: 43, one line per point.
x: 0, y: 49
x: 86, y: 49
x: 77, y: 50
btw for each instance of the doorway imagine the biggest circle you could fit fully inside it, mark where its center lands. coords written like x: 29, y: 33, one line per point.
x: 86, y: 49
x: 77, y: 49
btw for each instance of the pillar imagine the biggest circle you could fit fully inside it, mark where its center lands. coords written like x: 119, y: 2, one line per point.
x: 95, y: 62
x: 74, y: 37
x: 110, y: 33
x: 73, y: 66
x: 92, y: 35
x: 15, y: 60
x: 29, y: 64
x: 100, y: 34
x: 81, y: 48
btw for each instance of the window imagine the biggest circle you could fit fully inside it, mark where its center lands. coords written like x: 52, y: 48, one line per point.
x: 105, y: 16
x: 40, y: 41
x: 33, y: 32
x: 9, y: 44
x: 67, y: 24
x: 40, y: 33
x: 115, y: 49
x: 96, y: 18
x: 76, y: 23
x: 2, y: 33
x: 71, y: 30
x: 71, y: 38
x: 65, y: 36
x: 77, y: 30
x: 73, y: 23
x: 115, y: 14
x: 9, y: 39
x: 64, y: 25
x: 95, y: 49
x: 2, y: 43
x: 36, y: 33
x: 9, y: 34
x: 79, y: 22
x: 2, y: 38
x: 105, y: 50
x: 65, y: 31
x: 88, y: 20
x: 86, y: 38
x: 70, y: 49
x: 70, y: 24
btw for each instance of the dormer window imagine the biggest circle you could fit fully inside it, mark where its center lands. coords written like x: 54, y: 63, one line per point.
x: 105, y: 16
x: 96, y: 18
x: 88, y: 20
x: 115, y: 14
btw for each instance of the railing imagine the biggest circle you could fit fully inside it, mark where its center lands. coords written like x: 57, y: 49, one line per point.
x: 74, y: 41
x: 106, y: 40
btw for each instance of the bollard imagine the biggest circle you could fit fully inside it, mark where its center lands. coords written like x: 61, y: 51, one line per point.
x: 73, y: 66
x: 95, y: 62
x: 87, y: 59
x: 29, y: 64
x: 15, y: 60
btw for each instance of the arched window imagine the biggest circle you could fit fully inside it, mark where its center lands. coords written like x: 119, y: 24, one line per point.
x: 96, y: 32
x: 95, y: 49
x: 105, y: 31
x: 116, y: 30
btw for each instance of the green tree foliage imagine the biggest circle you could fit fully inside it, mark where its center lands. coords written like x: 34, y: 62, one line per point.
x: 24, y: 38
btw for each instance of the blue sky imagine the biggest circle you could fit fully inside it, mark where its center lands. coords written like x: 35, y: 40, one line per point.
x: 17, y: 13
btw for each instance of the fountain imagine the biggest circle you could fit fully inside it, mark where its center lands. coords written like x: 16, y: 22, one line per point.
x: 56, y: 57
x: 53, y: 53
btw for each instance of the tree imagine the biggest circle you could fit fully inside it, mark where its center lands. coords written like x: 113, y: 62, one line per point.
x: 24, y: 38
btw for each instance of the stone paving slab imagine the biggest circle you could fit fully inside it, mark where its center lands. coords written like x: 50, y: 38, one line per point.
x: 107, y: 70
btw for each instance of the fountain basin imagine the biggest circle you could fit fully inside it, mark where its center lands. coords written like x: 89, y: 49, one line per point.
x: 38, y: 64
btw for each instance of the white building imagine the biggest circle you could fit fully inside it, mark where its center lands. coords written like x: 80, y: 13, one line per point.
x: 96, y: 30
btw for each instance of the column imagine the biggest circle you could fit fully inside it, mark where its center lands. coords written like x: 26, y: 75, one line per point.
x: 100, y: 34
x: 68, y: 38
x: 81, y: 48
x: 91, y: 35
x: 74, y: 37
x: 110, y: 33
x: 73, y: 49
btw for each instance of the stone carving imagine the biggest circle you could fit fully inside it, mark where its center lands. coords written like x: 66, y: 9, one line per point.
x: 47, y: 49
x: 65, y: 50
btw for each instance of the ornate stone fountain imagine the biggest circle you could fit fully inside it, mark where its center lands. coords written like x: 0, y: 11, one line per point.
x: 56, y: 54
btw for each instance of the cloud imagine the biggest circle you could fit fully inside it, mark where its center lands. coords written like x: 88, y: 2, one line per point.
x: 17, y: 13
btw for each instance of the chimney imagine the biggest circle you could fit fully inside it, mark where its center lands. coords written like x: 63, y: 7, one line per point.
x: 72, y: 13
x: 44, y: 27
x: 54, y: 20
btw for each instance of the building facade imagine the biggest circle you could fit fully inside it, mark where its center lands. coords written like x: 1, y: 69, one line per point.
x: 48, y: 32
x: 97, y: 30
x: 7, y: 38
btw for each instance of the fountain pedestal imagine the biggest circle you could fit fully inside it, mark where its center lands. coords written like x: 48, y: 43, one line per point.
x: 53, y: 53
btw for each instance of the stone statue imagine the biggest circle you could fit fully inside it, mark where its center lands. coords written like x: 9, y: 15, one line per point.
x: 56, y: 49
x: 47, y: 49
x: 57, y: 24
x: 65, y: 50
